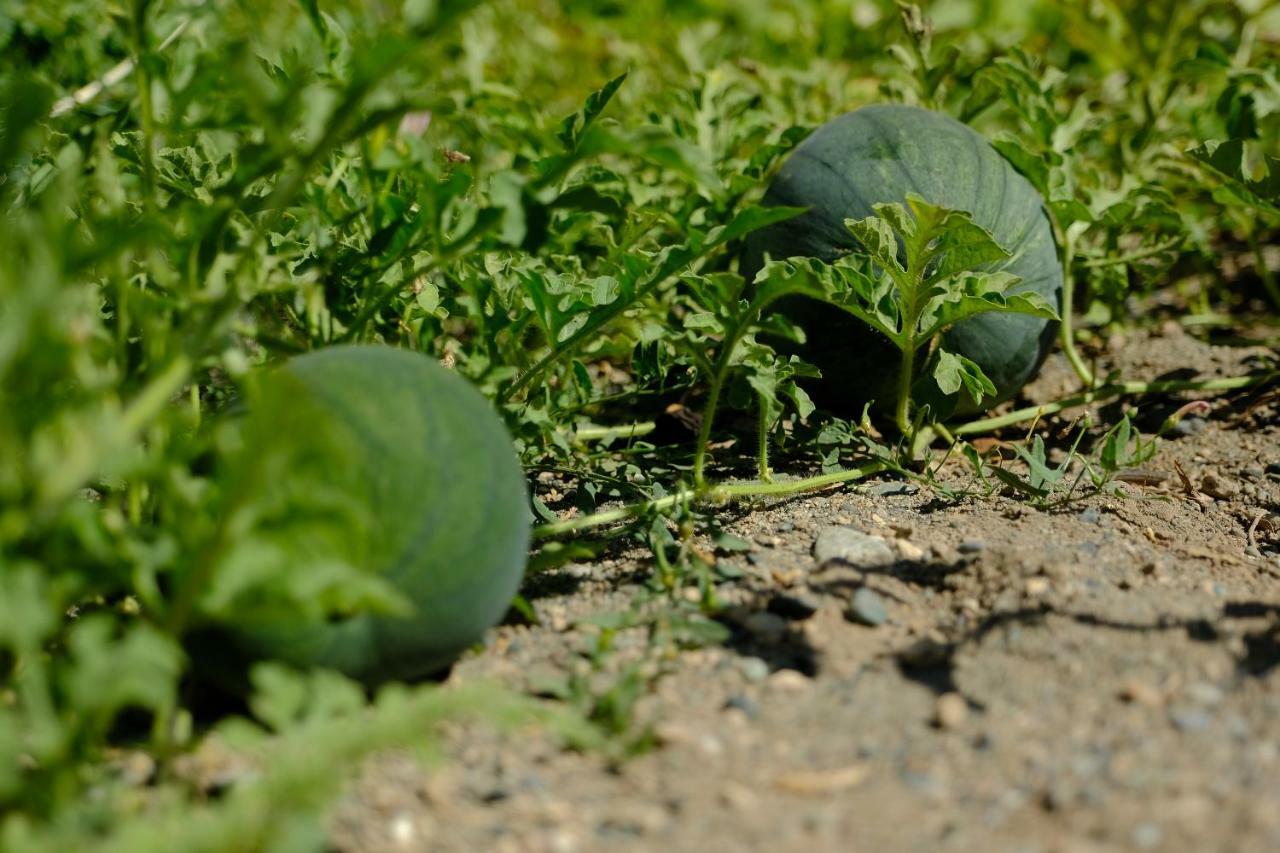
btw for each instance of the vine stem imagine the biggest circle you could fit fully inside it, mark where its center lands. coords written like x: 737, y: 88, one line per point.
x: 88, y: 92
x: 600, y: 433
x: 904, y: 390
x: 723, y: 364
x: 708, y: 415
x: 1116, y: 389
x: 710, y: 494
x: 1066, y: 333
x: 1140, y: 255
x: 762, y: 448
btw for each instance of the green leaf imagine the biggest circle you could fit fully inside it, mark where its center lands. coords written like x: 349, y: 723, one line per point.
x: 750, y: 219
x: 574, y: 126
x: 953, y: 372
x: 961, y: 245
x: 1041, y: 475
x: 875, y: 235
x: 968, y: 294
x: 1229, y: 161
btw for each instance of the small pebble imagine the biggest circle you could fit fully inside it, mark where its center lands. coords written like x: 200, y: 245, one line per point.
x: 1203, y: 693
x: 951, y: 711
x: 1190, y: 425
x: 909, y: 550
x: 754, y: 669
x: 790, y: 679
x: 1189, y: 719
x: 766, y: 627
x: 867, y: 608
x: 742, y: 703
x: 852, y: 546
x: 401, y: 830
x: 971, y: 546
x: 1141, y: 693
x: 1037, y: 587
x: 1090, y: 515
x: 1217, y: 486
x: 1147, y: 836
x: 894, y: 488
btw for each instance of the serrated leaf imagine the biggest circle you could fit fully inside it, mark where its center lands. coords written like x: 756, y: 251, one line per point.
x: 962, y: 245
x: 574, y: 126
x: 877, y: 239
x: 752, y: 219
x: 968, y: 294
x: 1228, y: 160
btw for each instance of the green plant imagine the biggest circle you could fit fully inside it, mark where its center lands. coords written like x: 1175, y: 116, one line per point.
x: 192, y: 193
x: 879, y: 155
x: 938, y: 284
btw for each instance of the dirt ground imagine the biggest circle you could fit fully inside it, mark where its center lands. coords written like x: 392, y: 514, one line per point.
x: 980, y: 675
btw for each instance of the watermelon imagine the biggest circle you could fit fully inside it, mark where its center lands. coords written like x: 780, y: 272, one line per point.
x: 879, y: 154
x: 384, y: 462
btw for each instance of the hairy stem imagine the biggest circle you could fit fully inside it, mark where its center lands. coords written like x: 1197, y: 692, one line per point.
x: 723, y: 363
x: 714, y: 494
x: 762, y: 449
x: 904, y: 390
x: 709, y: 413
x: 1140, y: 255
x: 600, y: 433
x: 1066, y: 332
x: 1106, y: 392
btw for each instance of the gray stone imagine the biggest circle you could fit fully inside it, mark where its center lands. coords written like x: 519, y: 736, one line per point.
x: 754, y: 669
x: 1189, y: 719
x: 1147, y: 836
x: 1190, y: 425
x: 867, y: 608
x: 972, y: 546
x: 766, y: 627
x: 852, y: 546
x: 745, y: 704
x: 1204, y: 693
x: 893, y: 488
x: 1218, y: 486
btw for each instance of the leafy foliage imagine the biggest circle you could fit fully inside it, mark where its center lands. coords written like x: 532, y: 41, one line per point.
x: 924, y: 270
x: 548, y: 197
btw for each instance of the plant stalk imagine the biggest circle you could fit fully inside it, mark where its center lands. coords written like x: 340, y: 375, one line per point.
x: 1106, y: 392
x: 600, y: 433
x: 715, y: 494
x: 1066, y: 332
x: 903, y: 416
x: 762, y: 449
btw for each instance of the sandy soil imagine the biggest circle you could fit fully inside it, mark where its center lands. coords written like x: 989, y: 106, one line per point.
x: 1103, y: 676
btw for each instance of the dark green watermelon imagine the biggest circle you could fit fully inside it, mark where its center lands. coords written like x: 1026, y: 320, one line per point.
x: 426, y: 492
x: 879, y: 154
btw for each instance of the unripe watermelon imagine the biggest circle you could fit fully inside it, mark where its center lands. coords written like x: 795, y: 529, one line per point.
x: 879, y: 154
x: 426, y: 494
